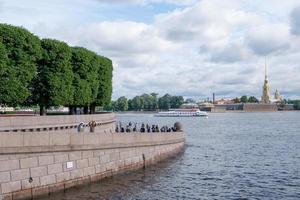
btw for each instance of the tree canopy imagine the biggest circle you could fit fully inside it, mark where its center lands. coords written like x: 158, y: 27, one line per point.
x: 55, y: 76
x: 20, y: 51
x: 146, y: 102
x: 48, y: 72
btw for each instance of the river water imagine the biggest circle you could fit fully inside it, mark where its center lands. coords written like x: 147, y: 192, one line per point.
x: 227, y: 156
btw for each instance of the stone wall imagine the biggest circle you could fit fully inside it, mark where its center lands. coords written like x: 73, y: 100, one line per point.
x: 65, y: 123
x: 260, y: 107
x: 39, y: 163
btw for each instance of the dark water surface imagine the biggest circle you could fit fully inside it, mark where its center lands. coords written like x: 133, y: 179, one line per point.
x: 227, y: 156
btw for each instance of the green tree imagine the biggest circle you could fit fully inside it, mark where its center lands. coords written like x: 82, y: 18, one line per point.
x: 164, y: 102
x: 252, y: 99
x: 18, y: 63
x: 5, y: 79
x: 148, y: 101
x: 55, y: 76
x: 244, y: 99
x: 122, y: 104
x: 104, y: 82
x: 136, y: 103
x: 85, y: 82
x: 176, y: 101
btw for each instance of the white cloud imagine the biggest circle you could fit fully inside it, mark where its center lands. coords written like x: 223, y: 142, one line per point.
x: 267, y: 38
x: 204, y: 47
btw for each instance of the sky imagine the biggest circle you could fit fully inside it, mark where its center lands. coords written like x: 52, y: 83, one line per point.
x: 191, y: 48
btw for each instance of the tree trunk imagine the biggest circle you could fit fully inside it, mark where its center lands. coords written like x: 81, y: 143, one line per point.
x: 86, y: 110
x: 42, y: 110
x: 71, y: 110
x: 92, y: 109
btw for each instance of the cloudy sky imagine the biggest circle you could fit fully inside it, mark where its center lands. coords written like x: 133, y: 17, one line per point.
x: 182, y: 47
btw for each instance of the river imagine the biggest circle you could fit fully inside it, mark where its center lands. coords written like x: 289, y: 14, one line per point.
x: 227, y: 156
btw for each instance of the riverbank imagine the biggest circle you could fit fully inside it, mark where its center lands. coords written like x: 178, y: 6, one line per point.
x: 44, y: 159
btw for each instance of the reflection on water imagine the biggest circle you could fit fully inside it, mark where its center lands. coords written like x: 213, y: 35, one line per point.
x: 227, y: 156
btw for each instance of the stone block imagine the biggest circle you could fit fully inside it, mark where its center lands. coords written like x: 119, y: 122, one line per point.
x: 75, y: 155
x: 46, y: 180
x: 98, y: 153
x: 20, y: 174
x: 91, y: 139
x: 76, y: 139
x: 10, y: 187
x: 94, y: 161
x: 100, y: 168
x: 46, y: 160
x: 82, y: 163
x: 36, y: 139
x: 78, y: 173
x: 4, y: 177
x: 128, y: 161
x: 11, y: 139
x: 104, y: 158
x: 62, y: 177
x: 59, y: 139
x: 55, y: 168
x: 6, y: 165
x: 88, y: 171
x: 38, y: 171
x: 124, y: 154
x: 110, y: 165
x: 87, y: 154
x: 29, y: 162
x: 60, y: 158
x: 114, y: 156
x: 27, y: 184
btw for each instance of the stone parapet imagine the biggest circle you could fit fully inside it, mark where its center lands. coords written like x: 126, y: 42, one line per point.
x: 37, y: 163
x: 65, y: 123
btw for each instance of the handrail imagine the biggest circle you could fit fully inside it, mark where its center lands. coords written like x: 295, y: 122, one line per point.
x: 53, y: 128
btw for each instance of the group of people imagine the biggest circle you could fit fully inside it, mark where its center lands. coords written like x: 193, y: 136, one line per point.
x: 143, y: 128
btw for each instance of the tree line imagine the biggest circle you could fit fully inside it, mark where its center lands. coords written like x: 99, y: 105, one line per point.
x: 246, y: 99
x: 48, y: 72
x: 146, y: 102
x: 296, y: 103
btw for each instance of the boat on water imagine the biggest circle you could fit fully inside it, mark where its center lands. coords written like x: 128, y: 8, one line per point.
x: 182, y: 113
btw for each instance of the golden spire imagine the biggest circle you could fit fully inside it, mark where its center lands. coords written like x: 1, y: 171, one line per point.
x: 265, y: 98
x: 266, y: 76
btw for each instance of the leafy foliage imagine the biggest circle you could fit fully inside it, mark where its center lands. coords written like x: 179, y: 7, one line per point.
x: 55, y: 76
x: 122, y: 104
x: 85, y: 80
x: 50, y: 73
x: 244, y: 99
x: 20, y: 51
x: 146, y: 102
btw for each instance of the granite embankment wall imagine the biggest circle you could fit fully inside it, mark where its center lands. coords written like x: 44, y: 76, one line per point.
x: 37, y: 159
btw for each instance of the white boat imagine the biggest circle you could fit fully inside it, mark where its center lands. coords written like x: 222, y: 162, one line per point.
x: 182, y: 113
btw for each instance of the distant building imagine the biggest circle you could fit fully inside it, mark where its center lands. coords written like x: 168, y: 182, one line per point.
x: 224, y: 101
x: 277, y: 96
x: 267, y: 104
x: 265, y: 98
x: 189, y: 106
x: 206, y: 106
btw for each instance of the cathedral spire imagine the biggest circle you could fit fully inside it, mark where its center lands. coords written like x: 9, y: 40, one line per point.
x: 266, y: 73
x: 265, y: 98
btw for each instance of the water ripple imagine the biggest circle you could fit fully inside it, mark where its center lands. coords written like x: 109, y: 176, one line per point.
x: 235, y: 156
